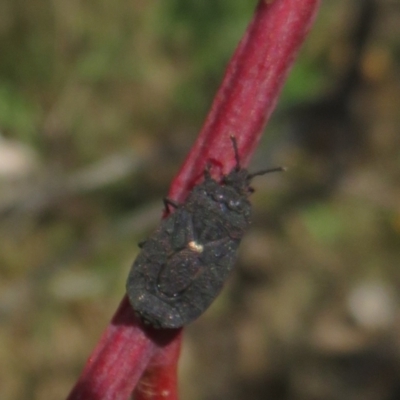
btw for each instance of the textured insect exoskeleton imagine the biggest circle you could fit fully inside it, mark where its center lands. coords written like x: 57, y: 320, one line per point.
x: 185, y: 262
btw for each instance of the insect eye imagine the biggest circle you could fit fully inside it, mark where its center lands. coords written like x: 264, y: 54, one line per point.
x: 218, y: 197
x: 235, y: 205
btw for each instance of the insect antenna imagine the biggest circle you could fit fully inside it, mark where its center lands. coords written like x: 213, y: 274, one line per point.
x: 265, y: 171
x: 235, y: 149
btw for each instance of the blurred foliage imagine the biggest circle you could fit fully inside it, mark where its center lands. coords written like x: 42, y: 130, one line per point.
x: 95, y: 96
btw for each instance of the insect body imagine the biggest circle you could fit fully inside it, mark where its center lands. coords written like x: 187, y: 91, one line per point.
x: 184, y: 264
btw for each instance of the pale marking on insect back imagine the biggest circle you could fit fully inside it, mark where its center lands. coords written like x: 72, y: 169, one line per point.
x: 194, y: 246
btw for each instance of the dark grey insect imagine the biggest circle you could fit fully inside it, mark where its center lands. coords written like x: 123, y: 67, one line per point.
x: 185, y: 262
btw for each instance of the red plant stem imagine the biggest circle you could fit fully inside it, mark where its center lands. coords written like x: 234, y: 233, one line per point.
x: 128, y: 351
x: 159, y: 381
x: 122, y: 355
x: 250, y: 88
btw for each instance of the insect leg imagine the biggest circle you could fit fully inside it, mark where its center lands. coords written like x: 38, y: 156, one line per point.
x: 169, y: 202
x: 207, y: 173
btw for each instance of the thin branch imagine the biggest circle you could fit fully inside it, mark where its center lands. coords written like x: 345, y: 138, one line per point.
x: 242, y: 106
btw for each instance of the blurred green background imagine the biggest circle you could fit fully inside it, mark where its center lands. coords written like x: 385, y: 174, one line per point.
x: 99, y: 103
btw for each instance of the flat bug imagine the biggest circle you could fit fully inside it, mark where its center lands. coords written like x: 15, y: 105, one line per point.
x: 185, y: 262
